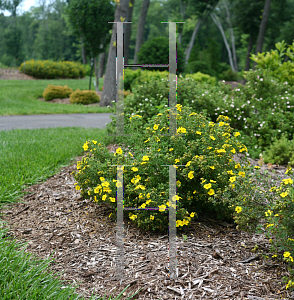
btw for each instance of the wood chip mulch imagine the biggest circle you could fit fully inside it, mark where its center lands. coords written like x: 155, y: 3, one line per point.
x: 215, y: 262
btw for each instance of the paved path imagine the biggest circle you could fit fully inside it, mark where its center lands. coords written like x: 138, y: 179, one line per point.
x: 98, y: 120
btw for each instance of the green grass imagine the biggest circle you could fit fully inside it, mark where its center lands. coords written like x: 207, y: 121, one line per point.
x: 20, y: 97
x: 29, y: 157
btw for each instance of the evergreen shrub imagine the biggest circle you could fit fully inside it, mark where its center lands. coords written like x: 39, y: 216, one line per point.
x: 56, y: 92
x: 84, y: 97
x: 46, y: 69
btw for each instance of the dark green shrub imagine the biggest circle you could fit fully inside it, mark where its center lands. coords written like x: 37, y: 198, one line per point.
x: 56, y: 92
x: 229, y: 75
x: 281, y: 152
x: 47, y: 69
x: 200, y: 77
x: 156, y: 51
x: 84, y: 97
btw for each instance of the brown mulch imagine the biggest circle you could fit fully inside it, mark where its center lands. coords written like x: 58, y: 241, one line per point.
x: 9, y: 74
x: 215, y: 262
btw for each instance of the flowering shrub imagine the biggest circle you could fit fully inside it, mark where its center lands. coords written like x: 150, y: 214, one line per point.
x: 204, y: 148
x: 46, y: 69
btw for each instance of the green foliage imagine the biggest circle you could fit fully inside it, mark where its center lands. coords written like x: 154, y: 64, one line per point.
x: 205, y: 148
x: 229, y: 75
x: 56, y: 92
x: 156, y: 51
x: 274, y: 65
x: 84, y: 97
x: 50, y: 70
x: 130, y: 76
x: 200, y: 77
x: 281, y: 152
x: 89, y: 19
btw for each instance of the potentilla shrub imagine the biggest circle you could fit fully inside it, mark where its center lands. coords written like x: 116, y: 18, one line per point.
x: 203, y: 147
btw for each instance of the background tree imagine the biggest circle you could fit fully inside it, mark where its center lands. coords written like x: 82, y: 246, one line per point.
x: 89, y: 19
x: 109, y: 88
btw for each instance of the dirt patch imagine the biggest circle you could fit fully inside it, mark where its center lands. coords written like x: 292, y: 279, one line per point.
x: 215, y: 262
x: 8, y: 74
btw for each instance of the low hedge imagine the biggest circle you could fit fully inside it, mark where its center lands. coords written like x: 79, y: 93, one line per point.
x: 46, y: 69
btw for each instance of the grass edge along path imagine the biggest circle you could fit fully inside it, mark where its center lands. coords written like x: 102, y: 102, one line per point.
x: 23, y: 276
x: 20, y: 97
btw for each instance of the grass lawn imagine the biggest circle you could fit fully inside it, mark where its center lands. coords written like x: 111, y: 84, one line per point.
x: 20, y: 97
x: 28, y: 157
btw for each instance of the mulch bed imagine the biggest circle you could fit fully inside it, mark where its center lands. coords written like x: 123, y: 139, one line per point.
x: 215, y: 262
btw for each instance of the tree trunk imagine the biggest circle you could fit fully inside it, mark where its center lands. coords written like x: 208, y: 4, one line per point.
x: 96, y: 75
x: 183, y: 6
x: 109, y: 92
x: 250, y: 45
x: 232, y: 35
x: 140, y: 30
x: 128, y: 31
x: 192, y: 41
x: 220, y: 27
x: 83, y: 52
x: 262, y: 27
x: 101, y: 68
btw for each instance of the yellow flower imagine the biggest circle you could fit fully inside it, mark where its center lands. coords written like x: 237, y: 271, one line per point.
x: 151, y: 217
x: 284, y: 194
x: 134, y: 169
x: 179, y: 223
x: 232, y: 179
x: 94, y: 142
x: 190, y: 175
x: 269, y: 225
x: 212, y: 181
x: 181, y: 130
x: 188, y: 164
x: 77, y: 187
x: 237, y: 166
x: 198, y: 132
x: 162, y: 208
x: 221, y: 124
x: 133, y: 217
x: 177, y: 160
x: 287, y: 254
x: 131, y: 154
x: 143, y: 205
x: 102, y: 178
x: 212, y: 137
x: 171, y: 149
x: 211, y: 124
x: 178, y: 183
x: 241, y: 174
x: 148, y: 195
x: 104, y: 197
x: 106, y: 184
x: 289, y: 180
x: 237, y: 134
x: 179, y: 107
x: 238, y: 209
x: 145, y: 158
x: 119, y: 151
x: 155, y: 127
x: 85, y: 146
x: 112, y: 199
x: 212, y: 167
x: 233, y: 150
x: 207, y: 186
x: 211, y: 192
x: 192, y: 215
